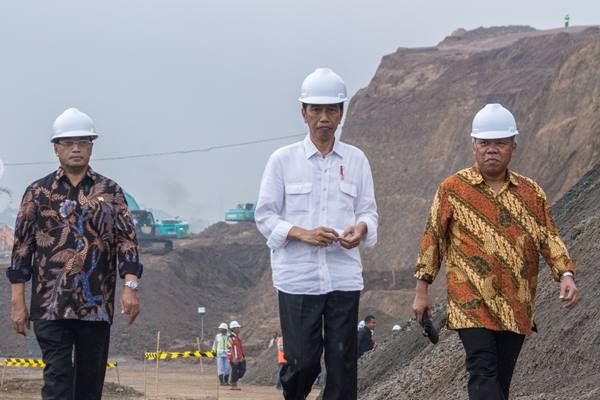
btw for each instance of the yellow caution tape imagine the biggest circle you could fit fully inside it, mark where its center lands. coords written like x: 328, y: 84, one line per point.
x: 32, y: 363
x: 163, y: 355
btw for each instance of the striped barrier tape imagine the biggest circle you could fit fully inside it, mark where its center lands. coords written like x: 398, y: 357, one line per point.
x: 163, y: 355
x: 32, y: 363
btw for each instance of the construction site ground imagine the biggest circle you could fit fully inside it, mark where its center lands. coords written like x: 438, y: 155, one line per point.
x: 175, y: 382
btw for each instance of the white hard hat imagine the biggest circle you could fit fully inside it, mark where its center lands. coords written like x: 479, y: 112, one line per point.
x: 223, y: 325
x: 234, y: 324
x: 73, y: 123
x: 494, y: 122
x: 396, y: 328
x: 323, y: 86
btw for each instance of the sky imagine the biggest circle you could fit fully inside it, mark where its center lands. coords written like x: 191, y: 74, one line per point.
x: 160, y: 76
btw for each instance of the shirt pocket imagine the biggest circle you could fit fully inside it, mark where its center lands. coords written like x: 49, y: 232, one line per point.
x: 348, y: 193
x: 297, y: 197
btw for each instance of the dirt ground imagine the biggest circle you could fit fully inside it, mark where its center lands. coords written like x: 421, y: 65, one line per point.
x: 176, y: 382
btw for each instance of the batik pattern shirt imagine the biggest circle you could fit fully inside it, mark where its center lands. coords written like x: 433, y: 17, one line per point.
x: 69, y: 241
x: 491, y: 245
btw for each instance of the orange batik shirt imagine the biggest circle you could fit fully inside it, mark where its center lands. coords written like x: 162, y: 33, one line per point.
x: 491, y: 245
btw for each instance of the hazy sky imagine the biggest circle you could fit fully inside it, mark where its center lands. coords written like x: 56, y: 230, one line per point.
x: 174, y: 75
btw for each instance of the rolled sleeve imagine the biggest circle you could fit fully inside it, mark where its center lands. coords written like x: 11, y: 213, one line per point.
x: 278, y: 237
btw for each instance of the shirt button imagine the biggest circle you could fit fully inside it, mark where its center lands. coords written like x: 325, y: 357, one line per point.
x: 324, y: 189
x: 326, y: 170
x: 323, y: 209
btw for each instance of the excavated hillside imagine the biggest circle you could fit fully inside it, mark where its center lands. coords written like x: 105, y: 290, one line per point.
x: 561, y: 361
x: 414, y: 118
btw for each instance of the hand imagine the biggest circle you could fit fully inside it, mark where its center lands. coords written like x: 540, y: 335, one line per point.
x: 321, y: 236
x: 568, y: 292
x: 20, y: 318
x: 352, y: 235
x: 130, y: 304
x: 421, y: 304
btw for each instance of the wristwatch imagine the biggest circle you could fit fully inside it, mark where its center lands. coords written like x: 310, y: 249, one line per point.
x: 133, y: 284
x: 568, y: 273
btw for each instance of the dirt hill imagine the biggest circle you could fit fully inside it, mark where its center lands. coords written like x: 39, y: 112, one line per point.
x: 561, y: 361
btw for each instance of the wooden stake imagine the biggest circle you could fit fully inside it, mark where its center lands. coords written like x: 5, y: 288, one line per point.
x: 201, y: 358
x: 145, y: 380
x: 3, y: 371
x: 118, y: 377
x: 157, y: 359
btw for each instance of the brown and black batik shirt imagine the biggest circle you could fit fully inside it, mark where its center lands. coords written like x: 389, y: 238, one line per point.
x: 69, y: 241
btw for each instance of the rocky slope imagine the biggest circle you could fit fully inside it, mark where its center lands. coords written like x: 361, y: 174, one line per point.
x: 561, y: 361
x: 413, y: 121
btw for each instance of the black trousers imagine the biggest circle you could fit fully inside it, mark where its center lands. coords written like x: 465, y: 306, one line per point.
x: 238, y: 371
x: 68, y: 376
x: 490, y: 358
x: 311, y: 323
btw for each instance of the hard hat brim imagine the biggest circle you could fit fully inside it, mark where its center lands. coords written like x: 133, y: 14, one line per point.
x: 322, y: 100
x: 494, y: 134
x: 71, y: 134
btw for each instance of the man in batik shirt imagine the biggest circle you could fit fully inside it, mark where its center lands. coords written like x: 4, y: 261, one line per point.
x: 72, y: 232
x: 491, y: 224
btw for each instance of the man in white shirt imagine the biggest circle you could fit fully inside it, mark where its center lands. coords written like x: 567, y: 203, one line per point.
x: 316, y: 205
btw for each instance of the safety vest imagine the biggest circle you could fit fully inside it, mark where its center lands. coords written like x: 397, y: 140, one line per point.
x: 280, y: 354
x: 220, y: 345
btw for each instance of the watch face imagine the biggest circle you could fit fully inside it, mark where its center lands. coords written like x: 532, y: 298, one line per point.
x: 132, y: 284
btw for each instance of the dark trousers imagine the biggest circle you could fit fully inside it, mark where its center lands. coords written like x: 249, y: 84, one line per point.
x: 238, y: 371
x: 68, y: 375
x: 311, y: 323
x: 490, y: 358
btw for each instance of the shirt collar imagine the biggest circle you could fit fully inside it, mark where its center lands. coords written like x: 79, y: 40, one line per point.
x: 310, y: 149
x: 474, y: 177
x: 60, y: 173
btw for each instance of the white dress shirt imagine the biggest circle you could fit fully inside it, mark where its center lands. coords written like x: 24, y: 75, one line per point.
x: 302, y: 188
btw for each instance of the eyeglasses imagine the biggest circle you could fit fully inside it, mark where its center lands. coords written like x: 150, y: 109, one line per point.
x: 72, y: 143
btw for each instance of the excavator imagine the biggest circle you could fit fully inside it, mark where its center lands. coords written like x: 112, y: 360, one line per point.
x: 146, y: 228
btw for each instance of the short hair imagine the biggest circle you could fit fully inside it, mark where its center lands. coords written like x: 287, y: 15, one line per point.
x: 340, y: 105
x: 369, y: 318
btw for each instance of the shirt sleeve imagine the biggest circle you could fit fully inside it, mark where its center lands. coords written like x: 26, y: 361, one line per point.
x: 270, y: 205
x: 553, y: 248
x: 127, y: 245
x: 366, y: 208
x: 435, y: 239
x: 21, y: 265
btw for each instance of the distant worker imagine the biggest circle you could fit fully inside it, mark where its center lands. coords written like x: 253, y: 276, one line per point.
x: 366, y: 342
x: 281, y: 361
x: 567, y: 20
x: 273, y: 339
x: 396, y: 329
x: 74, y: 237
x: 220, y: 348
x: 490, y: 225
x: 236, y: 355
x: 316, y: 205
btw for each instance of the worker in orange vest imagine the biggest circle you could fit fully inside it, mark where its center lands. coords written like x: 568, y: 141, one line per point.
x: 281, y: 361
